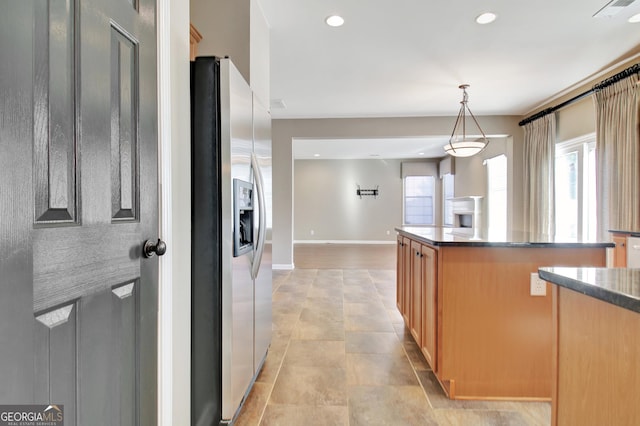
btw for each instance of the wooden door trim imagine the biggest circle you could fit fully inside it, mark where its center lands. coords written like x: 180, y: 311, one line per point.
x: 194, y: 39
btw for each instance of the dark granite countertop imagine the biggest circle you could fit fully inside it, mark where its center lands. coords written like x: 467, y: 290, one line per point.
x: 443, y: 236
x: 630, y: 233
x: 618, y: 286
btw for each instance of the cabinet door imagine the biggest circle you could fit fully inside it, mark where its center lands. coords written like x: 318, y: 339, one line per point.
x: 620, y: 251
x: 415, y: 323
x: 406, y: 279
x: 429, y: 304
x: 400, y: 275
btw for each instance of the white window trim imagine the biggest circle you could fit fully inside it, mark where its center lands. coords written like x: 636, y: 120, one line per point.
x: 404, y: 199
x: 487, y: 204
x: 444, y: 200
x: 582, y: 144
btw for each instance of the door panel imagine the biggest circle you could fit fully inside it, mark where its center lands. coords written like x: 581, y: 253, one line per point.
x: 429, y: 305
x: 78, y: 301
x: 71, y: 261
x: 407, y: 255
x: 54, y: 128
x: 415, y: 294
x: 125, y: 305
x: 124, y: 135
x: 55, y: 354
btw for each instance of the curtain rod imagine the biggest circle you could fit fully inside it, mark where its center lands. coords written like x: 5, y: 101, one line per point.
x: 634, y: 69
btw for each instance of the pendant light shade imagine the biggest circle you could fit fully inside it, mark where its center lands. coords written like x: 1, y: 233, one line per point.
x: 461, y: 145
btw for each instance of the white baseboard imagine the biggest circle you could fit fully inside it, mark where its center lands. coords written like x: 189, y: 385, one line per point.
x: 283, y: 267
x: 345, y: 242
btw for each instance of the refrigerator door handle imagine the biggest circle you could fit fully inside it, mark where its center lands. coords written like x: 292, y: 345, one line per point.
x: 257, y: 259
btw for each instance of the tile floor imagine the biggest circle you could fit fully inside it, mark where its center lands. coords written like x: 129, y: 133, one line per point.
x: 340, y: 355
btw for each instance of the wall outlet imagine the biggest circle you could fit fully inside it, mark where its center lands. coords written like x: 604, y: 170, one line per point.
x: 312, y: 232
x: 388, y: 232
x: 538, y: 285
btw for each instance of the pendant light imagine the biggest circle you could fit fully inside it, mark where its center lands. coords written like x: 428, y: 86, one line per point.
x: 459, y: 144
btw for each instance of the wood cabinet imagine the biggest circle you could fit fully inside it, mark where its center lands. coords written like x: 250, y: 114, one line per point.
x: 417, y: 294
x: 429, y: 305
x: 400, y: 275
x: 404, y: 277
x: 194, y: 39
x: 470, y: 310
x: 415, y: 317
x: 596, y: 357
x: 406, y: 307
x: 620, y: 250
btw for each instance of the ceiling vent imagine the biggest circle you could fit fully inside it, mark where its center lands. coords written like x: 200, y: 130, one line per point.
x: 277, y: 104
x: 612, y: 8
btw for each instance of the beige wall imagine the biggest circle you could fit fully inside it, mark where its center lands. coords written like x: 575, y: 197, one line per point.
x: 617, y: 66
x: 326, y: 203
x: 225, y: 29
x: 282, y: 179
x: 471, y: 178
x: 285, y: 130
x: 239, y: 30
x: 576, y: 120
x: 259, y: 54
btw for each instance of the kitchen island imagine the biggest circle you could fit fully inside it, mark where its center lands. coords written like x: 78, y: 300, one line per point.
x: 467, y: 300
x: 596, y: 349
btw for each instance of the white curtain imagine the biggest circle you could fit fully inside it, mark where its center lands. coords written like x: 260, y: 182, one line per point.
x: 539, y: 165
x: 618, y: 157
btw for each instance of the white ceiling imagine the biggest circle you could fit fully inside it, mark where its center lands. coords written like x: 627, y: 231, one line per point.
x: 408, y: 57
x: 329, y: 149
x: 372, y: 149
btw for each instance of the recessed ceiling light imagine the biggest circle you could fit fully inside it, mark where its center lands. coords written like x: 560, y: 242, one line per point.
x: 374, y: 155
x: 635, y: 18
x: 316, y: 155
x: 421, y: 153
x: 334, y: 21
x: 486, y: 18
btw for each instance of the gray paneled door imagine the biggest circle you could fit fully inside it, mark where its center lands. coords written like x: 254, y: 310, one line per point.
x: 78, y: 198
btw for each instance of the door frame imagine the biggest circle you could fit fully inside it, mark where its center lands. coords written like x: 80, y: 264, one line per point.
x: 174, y: 305
x: 165, y: 317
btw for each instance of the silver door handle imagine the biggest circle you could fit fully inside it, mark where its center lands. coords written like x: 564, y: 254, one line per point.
x: 257, y: 259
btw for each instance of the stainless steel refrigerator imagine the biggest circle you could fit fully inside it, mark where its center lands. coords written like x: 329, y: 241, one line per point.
x: 231, y: 262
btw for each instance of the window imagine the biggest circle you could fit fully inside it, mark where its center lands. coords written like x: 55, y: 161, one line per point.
x: 575, y: 189
x: 497, y: 196
x: 418, y: 200
x: 447, y: 194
